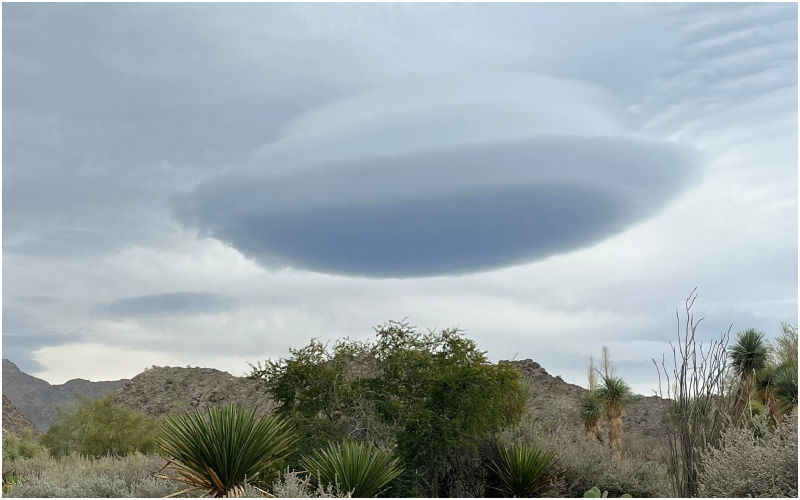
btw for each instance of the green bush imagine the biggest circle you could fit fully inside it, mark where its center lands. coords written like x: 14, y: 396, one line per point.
x: 596, y: 493
x: 24, y: 446
x: 220, y: 452
x: 434, y: 396
x: 98, y: 427
x: 358, y: 468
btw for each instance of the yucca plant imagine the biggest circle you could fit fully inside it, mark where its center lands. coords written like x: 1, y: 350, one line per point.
x: 525, y: 471
x: 748, y: 356
x: 615, y: 394
x: 218, y: 453
x: 786, y: 387
x: 591, y: 411
x: 358, y: 468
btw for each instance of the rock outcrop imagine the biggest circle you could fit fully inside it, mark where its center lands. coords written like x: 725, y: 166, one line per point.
x: 160, y: 390
x: 14, y: 421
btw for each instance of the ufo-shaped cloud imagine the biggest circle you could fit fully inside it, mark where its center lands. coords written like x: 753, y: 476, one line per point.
x: 441, y: 177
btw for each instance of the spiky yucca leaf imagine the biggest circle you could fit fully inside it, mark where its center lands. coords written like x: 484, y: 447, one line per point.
x: 221, y: 451
x: 614, y: 391
x: 358, y: 468
x: 525, y: 470
x: 591, y: 407
x: 786, y: 387
x: 750, y: 353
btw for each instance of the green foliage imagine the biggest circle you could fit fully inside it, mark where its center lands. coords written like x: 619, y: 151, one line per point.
x: 433, y: 395
x: 750, y: 353
x: 786, y: 387
x: 590, y: 407
x: 595, y: 493
x: 24, y: 446
x: 358, y: 468
x: 525, y: 470
x: 785, y: 351
x: 614, y: 391
x: 221, y: 451
x: 98, y: 427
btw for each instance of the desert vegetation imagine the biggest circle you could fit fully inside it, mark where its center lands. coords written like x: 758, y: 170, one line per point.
x: 415, y: 414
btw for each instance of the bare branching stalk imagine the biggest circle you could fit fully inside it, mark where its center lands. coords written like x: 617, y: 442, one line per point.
x: 697, y: 402
x: 592, y: 376
x: 608, y: 368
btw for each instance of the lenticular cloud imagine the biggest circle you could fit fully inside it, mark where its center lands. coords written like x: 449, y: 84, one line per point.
x: 441, y: 176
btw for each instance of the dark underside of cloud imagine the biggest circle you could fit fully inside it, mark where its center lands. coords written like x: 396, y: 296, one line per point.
x: 165, y: 304
x: 441, y: 212
x: 469, y: 232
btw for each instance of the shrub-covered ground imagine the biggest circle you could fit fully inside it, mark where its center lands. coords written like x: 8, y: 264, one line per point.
x: 412, y: 415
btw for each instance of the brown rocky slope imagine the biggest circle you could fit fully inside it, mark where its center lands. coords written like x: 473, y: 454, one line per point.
x: 14, y: 421
x: 160, y: 390
x: 555, y: 404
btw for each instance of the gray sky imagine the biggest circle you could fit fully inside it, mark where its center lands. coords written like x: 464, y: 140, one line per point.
x: 210, y: 184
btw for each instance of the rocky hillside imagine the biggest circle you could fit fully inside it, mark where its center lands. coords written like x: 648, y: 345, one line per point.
x: 38, y: 399
x: 14, y: 421
x: 159, y: 390
x: 555, y: 404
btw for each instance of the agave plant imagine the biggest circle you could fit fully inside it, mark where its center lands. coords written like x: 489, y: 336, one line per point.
x: 786, y: 387
x: 357, y: 468
x: 615, y: 394
x: 591, y: 411
x: 222, y: 451
x: 525, y: 471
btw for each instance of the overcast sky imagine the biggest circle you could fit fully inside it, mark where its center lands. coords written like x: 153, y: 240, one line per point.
x: 210, y: 184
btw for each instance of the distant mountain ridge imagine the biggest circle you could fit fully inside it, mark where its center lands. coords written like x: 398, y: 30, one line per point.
x: 37, y: 399
x: 160, y: 390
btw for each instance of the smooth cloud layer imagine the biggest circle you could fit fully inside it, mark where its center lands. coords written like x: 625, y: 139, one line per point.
x: 442, y: 177
x: 166, y: 304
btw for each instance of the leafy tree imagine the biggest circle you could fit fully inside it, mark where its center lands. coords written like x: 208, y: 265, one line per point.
x: 23, y: 446
x: 434, y: 395
x: 98, y: 427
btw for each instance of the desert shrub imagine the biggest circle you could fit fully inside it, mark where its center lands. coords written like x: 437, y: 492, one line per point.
x: 585, y: 464
x: 98, y: 427
x: 219, y: 452
x: 292, y: 484
x: 434, y: 395
x: 749, y: 466
x: 76, y: 476
x: 23, y: 446
x: 358, y: 468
